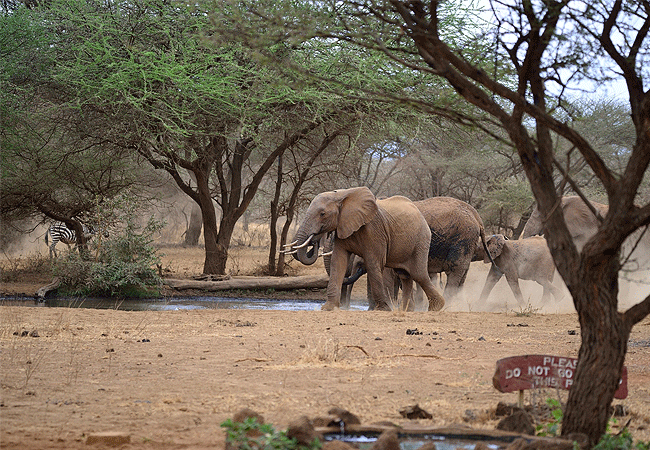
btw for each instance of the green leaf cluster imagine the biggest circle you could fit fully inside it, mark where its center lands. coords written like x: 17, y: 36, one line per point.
x: 552, y: 428
x: 622, y: 441
x: 252, y: 435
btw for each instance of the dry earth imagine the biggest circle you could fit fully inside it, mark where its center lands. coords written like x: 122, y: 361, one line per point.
x: 168, y: 379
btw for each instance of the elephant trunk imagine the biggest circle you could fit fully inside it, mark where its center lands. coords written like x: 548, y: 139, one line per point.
x: 307, y: 249
x: 351, y: 279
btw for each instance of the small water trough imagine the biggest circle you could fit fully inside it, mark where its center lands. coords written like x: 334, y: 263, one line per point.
x: 363, y: 437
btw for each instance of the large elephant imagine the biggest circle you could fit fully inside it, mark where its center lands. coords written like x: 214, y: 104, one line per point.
x: 457, y: 232
x: 385, y: 233
x: 583, y: 224
x: 526, y: 259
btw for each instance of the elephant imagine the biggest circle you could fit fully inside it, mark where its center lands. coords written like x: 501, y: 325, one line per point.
x: 582, y: 225
x: 390, y: 232
x: 457, y: 235
x: 581, y: 222
x: 457, y: 232
x: 526, y: 259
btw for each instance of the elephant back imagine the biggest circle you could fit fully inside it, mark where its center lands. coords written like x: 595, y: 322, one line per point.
x: 455, y: 230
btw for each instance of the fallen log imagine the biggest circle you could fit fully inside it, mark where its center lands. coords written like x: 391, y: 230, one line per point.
x: 53, y: 286
x: 279, y: 283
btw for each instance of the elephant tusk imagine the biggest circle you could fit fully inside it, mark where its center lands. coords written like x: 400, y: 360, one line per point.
x: 327, y: 253
x: 290, y: 245
x: 306, y: 243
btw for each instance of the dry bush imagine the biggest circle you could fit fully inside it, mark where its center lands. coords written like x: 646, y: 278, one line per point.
x: 15, y: 269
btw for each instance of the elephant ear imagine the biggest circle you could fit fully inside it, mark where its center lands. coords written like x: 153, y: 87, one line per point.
x: 495, y: 246
x: 358, y: 207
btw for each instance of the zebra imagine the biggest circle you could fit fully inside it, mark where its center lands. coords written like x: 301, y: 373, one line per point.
x: 59, y: 231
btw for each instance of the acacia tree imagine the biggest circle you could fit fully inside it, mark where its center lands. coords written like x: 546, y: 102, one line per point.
x: 50, y: 168
x: 521, y: 71
x: 148, y: 81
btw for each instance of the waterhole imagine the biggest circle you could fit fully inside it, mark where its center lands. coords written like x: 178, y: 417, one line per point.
x: 176, y: 303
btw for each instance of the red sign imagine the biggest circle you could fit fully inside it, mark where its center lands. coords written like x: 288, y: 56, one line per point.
x: 541, y: 371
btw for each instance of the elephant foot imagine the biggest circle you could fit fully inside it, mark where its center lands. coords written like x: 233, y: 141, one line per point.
x: 382, y: 307
x: 329, y: 306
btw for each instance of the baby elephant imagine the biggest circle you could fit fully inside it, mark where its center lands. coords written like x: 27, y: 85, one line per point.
x: 528, y: 259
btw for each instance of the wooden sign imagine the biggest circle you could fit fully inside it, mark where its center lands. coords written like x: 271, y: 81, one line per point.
x: 542, y: 371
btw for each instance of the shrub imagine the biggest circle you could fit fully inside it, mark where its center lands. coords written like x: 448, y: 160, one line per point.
x: 125, y: 264
x: 252, y: 435
x: 620, y: 441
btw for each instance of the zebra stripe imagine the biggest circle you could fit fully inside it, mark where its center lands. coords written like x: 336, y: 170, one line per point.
x: 59, y: 232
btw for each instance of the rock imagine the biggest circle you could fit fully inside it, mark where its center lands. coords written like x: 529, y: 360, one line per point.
x: 337, y: 445
x: 340, y: 415
x: 302, y: 430
x: 246, y: 413
x: 109, y: 438
x: 518, y: 422
x: 504, y: 409
x: 415, y: 412
x: 240, y: 417
x: 387, y: 441
x: 322, y: 421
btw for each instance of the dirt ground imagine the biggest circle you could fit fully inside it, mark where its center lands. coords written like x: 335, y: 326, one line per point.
x: 168, y: 379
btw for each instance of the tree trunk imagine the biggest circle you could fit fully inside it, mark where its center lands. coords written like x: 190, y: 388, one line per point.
x: 226, y: 229
x: 273, y: 228
x: 279, y: 272
x: 602, y: 351
x: 212, y: 255
x: 194, y: 228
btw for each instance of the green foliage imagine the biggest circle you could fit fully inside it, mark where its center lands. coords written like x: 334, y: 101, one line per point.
x: 252, y: 435
x: 551, y: 428
x: 621, y: 441
x: 125, y: 264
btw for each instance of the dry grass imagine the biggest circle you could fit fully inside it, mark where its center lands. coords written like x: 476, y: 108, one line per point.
x: 242, y: 261
x: 14, y: 269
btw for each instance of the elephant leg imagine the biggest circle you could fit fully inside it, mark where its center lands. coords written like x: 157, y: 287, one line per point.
x: 557, y: 293
x: 436, y: 300
x: 346, y: 293
x: 407, y: 294
x: 550, y: 289
x: 376, y: 283
x: 419, y: 303
x: 494, y: 275
x: 371, y: 300
x: 513, y: 282
x: 338, y: 265
x: 392, y: 280
x: 455, y: 280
